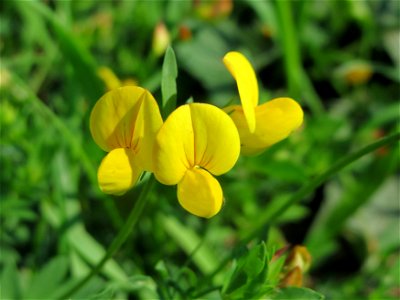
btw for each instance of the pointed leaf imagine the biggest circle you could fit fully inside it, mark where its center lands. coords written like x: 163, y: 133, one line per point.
x: 168, y: 82
x: 297, y: 293
x: 48, y: 279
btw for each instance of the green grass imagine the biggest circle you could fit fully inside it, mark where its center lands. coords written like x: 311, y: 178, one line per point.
x: 332, y: 186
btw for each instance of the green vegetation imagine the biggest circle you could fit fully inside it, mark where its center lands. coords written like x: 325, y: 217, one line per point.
x: 332, y: 186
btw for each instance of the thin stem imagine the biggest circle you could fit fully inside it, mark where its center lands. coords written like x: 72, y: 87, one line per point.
x: 122, y: 236
x: 317, y: 181
x: 289, y: 44
x: 298, y: 81
x: 269, y: 218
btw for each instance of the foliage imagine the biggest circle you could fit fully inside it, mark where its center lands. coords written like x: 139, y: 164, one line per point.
x: 339, y: 59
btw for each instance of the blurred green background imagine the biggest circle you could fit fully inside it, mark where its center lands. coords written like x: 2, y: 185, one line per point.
x: 339, y: 59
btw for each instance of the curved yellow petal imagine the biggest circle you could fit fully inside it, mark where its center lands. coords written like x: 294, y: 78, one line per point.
x: 276, y: 119
x: 148, y: 123
x: 200, y: 193
x: 109, y: 78
x: 173, y: 150
x: 246, y: 80
x: 195, y: 134
x: 113, y: 118
x: 216, y: 139
x: 118, y: 172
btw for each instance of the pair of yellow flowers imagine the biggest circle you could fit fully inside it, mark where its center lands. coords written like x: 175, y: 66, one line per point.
x: 195, y: 142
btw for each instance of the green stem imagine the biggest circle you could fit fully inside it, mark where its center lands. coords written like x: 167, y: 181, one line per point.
x: 289, y: 44
x: 298, y: 82
x: 307, y: 189
x: 122, y: 236
x: 269, y: 218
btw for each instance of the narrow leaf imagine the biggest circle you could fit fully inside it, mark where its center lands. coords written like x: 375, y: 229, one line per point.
x: 48, y: 279
x: 188, y: 240
x: 9, y: 281
x: 296, y: 293
x: 91, y: 251
x: 168, y: 82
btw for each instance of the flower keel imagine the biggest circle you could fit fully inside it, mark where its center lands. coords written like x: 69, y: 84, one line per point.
x: 200, y: 193
x: 118, y: 172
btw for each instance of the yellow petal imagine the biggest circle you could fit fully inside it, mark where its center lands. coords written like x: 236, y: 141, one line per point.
x: 148, y: 123
x: 113, y: 118
x: 173, y: 150
x: 276, y: 119
x: 196, y: 134
x: 200, y: 193
x: 110, y: 79
x: 216, y: 139
x: 118, y: 172
x: 246, y: 80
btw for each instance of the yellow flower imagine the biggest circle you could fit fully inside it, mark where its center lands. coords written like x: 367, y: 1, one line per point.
x: 124, y: 122
x: 196, y: 142
x: 259, y: 126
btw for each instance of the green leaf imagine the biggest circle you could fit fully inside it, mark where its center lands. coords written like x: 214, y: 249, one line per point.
x: 94, y: 286
x: 266, y: 13
x: 105, y: 294
x: 168, y: 82
x: 356, y: 193
x: 176, y: 11
x: 78, y: 238
x: 391, y: 46
x: 9, y: 282
x: 91, y: 251
x: 271, y: 216
x: 274, y: 270
x: 79, y: 266
x: 284, y: 170
x: 249, y: 274
x: 255, y: 261
x: 202, y: 58
x: 144, y: 284
x: 297, y: 293
x: 191, y: 243
x: 294, y: 213
x: 48, y: 279
x: 85, y: 69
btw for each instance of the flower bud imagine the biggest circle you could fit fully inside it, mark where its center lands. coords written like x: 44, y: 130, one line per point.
x: 214, y: 9
x: 161, y: 39
x: 185, y: 33
x: 299, y: 257
x: 355, y: 72
x: 293, y: 278
x: 297, y: 263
